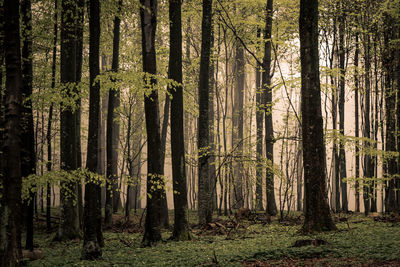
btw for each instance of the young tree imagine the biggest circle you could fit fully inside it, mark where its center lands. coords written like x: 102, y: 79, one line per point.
x: 204, y: 182
x: 181, y: 228
x: 317, y: 214
x: 12, y: 146
x: 269, y: 129
x: 92, y: 212
x: 113, y: 127
x: 148, y: 18
x: 342, y: 152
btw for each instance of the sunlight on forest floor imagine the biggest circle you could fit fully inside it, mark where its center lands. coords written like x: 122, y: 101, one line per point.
x: 359, y: 241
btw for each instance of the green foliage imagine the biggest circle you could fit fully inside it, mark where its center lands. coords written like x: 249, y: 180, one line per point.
x: 361, y: 239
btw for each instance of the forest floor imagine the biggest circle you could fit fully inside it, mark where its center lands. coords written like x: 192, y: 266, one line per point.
x: 250, y: 240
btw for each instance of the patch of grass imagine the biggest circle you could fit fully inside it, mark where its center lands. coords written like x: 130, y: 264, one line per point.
x: 365, y: 240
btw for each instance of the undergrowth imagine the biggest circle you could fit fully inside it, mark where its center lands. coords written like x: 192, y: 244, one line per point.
x: 358, y: 238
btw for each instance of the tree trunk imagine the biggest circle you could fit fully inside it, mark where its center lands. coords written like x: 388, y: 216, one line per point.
x: 113, y: 127
x: 79, y: 50
x: 164, y: 218
x: 317, y: 214
x: 390, y: 105
x: 342, y: 152
x: 356, y: 127
x: 259, y: 130
x: 269, y: 130
x: 181, y: 228
x: 69, y: 226
x: 12, y: 147
x: 92, y: 212
x: 368, y: 171
x: 28, y: 154
x: 148, y: 16
x: 204, y: 183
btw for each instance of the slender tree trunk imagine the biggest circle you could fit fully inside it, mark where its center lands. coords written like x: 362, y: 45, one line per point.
x: 356, y: 127
x: 237, y: 126
x: 112, y: 125
x: 28, y: 154
x: 269, y: 130
x: 148, y: 16
x: 259, y: 131
x: 164, y: 218
x: 69, y: 226
x: 79, y: 51
x: 12, y: 147
x: 368, y: 171
x: 204, y: 186
x: 342, y: 152
x: 181, y: 227
x: 317, y: 214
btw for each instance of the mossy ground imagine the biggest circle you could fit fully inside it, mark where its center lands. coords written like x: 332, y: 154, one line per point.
x: 359, y: 241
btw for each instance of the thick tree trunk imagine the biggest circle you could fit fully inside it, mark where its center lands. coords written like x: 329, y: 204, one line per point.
x: 3, y: 215
x: 204, y: 183
x: 390, y: 105
x: 269, y: 129
x: 181, y: 227
x: 12, y: 147
x: 317, y: 214
x: 28, y: 154
x: 113, y: 127
x: 93, y: 239
x: 148, y: 16
x: 69, y: 226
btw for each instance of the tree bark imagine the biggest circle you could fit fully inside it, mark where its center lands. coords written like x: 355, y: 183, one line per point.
x: 93, y: 239
x: 113, y: 127
x: 69, y: 226
x: 259, y: 131
x: 269, y: 130
x: 342, y: 152
x: 12, y: 145
x: 164, y: 218
x: 356, y: 127
x: 181, y: 227
x: 155, y: 182
x: 317, y: 214
x: 204, y: 183
x: 28, y: 154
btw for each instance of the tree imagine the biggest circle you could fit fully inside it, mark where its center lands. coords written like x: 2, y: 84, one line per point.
x: 181, y: 227
x: 69, y: 226
x: 28, y: 155
x: 50, y: 118
x: 342, y: 152
x: 204, y: 182
x: 259, y: 131
x: 12, y: 145
x: 92, y: 211
x: 317, y: 214
x: 269, y: 129
x: 155, y: 183
x: 113, y: 127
